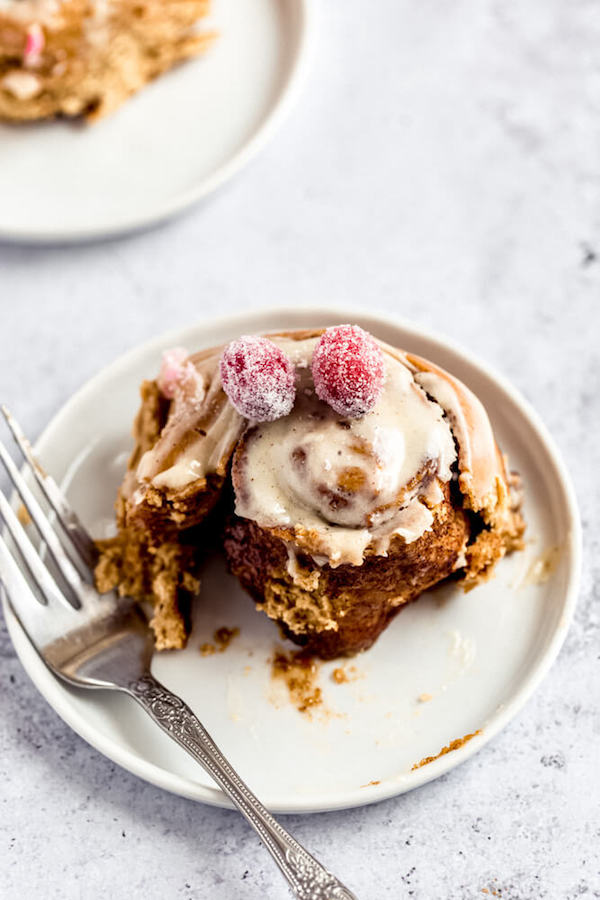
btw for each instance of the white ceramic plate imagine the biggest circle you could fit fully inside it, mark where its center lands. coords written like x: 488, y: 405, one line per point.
x: 478, y: 655
x: 166, y: 147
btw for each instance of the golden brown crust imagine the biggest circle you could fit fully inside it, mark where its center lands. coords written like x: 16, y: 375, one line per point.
x: 336, y: 611
x: 502, y: 533
x: 149, y: 421
x: 166, y: 512
x: 91, y: 61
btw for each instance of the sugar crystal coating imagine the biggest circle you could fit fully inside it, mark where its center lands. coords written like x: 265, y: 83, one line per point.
x: 258, y: 378
x: 348, y: 370
x: 172, y: 370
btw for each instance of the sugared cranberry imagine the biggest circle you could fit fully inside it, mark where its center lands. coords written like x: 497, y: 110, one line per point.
x: 258, y: 378
x: 174, y: 369
x: 348, y: 370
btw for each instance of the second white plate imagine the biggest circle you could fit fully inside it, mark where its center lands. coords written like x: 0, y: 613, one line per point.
x: 449, y: 665
x: 166, y: 147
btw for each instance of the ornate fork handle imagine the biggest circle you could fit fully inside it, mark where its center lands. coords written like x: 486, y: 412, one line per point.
x: 308, y: 879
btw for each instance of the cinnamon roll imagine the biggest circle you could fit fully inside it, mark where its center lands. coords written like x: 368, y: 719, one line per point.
x: 345, y: 502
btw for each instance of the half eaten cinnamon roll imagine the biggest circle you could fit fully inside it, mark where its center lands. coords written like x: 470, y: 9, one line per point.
x: 336, y: 513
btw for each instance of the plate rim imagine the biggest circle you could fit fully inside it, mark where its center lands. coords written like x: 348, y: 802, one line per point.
x: 306, y: 14
x: 48, y: 685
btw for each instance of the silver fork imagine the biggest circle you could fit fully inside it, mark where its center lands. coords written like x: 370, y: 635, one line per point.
x: 101, y: 641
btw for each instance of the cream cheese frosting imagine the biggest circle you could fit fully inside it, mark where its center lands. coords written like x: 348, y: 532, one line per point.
x: 348, y: 483
x: 201, y: 431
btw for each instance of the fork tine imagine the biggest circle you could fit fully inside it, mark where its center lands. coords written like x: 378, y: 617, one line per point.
x: 69, y: 573
x: 41, y: 576
x: 68, y: 518
x: 14, y: 582
x: 41, y: 624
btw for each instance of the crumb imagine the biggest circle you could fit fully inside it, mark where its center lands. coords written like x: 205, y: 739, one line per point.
x: 343, y: 675
x: 299, y: 672
x: 425, y: 698
x: 543, y: 566
x: 247, y: 670
x: 23, y: 516
x: 453, y: 745
x: 370, y: 783
x: 223, y: 637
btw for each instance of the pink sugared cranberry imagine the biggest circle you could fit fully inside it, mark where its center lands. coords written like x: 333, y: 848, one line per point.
x: 174, y: 370
x: 258, y: 378
x: 348, y: 370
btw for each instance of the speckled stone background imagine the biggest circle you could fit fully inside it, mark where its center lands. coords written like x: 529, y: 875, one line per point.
x: 444, y: 164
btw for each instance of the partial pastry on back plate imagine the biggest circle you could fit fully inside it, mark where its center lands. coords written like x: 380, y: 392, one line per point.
x: 342, y: 476
x: 85, y: 57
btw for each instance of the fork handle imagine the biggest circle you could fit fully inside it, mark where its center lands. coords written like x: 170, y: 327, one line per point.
x: 308, y: 879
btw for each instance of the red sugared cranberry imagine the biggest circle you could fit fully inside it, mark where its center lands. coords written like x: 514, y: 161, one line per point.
x: 258, y: 378
x: 348, y: 370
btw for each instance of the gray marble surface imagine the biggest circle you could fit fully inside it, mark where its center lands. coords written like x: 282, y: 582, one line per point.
x: 443, y: 163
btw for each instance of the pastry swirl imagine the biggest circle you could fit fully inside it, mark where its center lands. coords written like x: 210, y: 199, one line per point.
x: 339, y: 487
